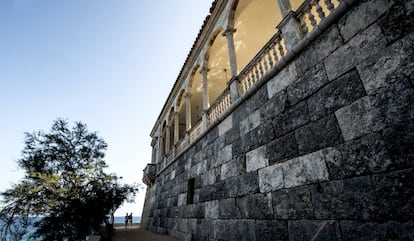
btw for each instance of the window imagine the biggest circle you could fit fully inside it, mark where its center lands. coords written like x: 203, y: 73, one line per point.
x: 190, y: 191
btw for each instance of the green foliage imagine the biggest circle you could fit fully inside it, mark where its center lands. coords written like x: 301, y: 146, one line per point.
x: 65, y: 193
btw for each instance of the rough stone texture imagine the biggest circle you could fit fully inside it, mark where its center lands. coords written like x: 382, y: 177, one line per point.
x: 395, y: 194
x: 324, y: 150
x: 340, y: 92
x: 256, y: 159
x: 362, y: 46
x: 271, y: 178
x: 362, y: 16
x: 226, y: 125
x: 282, y: 80
x: 274, y: 106
x: 308, y: 83
x: 281, y: 149
x: 212, y: 209
x: 242, y: 230
x: 290, y: 120
x: 274, y: 230
x: 242, y: 185
x: 293, y: 203
x: 345, y: 199
x: 317, y: 135
x: 233, y: 168
x: 227, y: 208
x: 392, y: 230
x: 313, y: 230
x: 327, y: 43
x: 358, y: 157
x: 225, y: 154
x: 257, y: 206
x: 370, y: 114
x: 249, y: 123
x: 394, y: 64
x: 305, y: 169
x: 399, y: 140
x: 399, y: 20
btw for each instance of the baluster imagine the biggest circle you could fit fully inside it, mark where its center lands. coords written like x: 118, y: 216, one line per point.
x: 269, y: 57
x: 319, y: 10
x: 329, y: 5
x: 221, y: 107
x: 303, y: 23
x: 311, y: 17
x: 280, y: 47
x: 266, y: 65
x: 275, y: 53
x: 260, y: 67
x: 251, y: 77
x: 255, y: 73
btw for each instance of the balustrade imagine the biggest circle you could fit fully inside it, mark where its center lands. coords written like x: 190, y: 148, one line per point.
x: 181, y: 145
x: 312, y: 12
x: 265, y: 60
x: 195, y: 131
x: 219, y: 106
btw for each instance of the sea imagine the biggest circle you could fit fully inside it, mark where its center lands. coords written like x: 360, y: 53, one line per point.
x: 118, y: 220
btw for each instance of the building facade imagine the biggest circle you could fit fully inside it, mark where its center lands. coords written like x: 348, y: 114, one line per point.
x: 289, y: 120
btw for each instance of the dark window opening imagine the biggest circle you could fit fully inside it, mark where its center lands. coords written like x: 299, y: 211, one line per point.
x: 190, y: 191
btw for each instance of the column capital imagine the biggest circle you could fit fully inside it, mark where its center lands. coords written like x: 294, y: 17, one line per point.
x: 229, y: 32
x: 204, y: 70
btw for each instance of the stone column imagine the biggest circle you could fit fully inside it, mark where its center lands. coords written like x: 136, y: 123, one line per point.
x: 234, y: 90
x: 167, y: 138
x: 188, y: 111
x: 176, y: 127
x: 232, y: 52
x: 285, y: 7
x: 161, y: 150
x: 206, y: 101
x: 154, y: 150
x: 289, y: 26
x: 188, y: 117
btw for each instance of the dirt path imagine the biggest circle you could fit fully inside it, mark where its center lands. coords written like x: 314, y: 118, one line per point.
x: 138, y: 234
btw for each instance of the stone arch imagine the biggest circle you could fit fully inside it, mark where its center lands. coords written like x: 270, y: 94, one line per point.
x: 195, y: 90
x: 255, y: 23
x: 182, y: 115
x: 218, y: 65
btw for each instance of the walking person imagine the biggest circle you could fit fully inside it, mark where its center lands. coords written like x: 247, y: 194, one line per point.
x: 130, y: 219
x: 126, y: 220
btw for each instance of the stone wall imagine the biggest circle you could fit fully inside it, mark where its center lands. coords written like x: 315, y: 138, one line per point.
x: 322, y: 151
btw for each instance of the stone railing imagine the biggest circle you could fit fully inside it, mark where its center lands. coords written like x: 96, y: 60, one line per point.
x: 267, y: 57
x: 170, y: 156
x: 181, y: 145
x: 196, y: 130
x: 149, y: 174
x: 312, y: 12
x: 219, y: 106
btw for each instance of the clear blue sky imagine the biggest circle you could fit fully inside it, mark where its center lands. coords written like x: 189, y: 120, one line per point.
x: 107, y: 63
